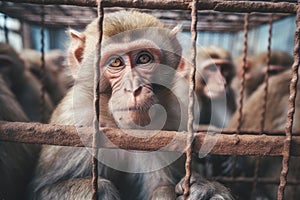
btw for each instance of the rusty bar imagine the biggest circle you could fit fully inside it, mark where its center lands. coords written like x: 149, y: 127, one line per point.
x: 126, y: 139
x: 291, y: 110
x: 96, y: 135
x: 241, y: 98
x: 266, y: 78
x: 260, y: 180
x: 240, y: 110
x: 42, y: 79
x: 265, y: 99
x: 5, y: 29
x: 191, y: 101
x: 255, y: 177
x: 217, y: 5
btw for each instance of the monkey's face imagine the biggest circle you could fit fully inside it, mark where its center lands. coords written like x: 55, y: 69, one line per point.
x: 136, y: 70
x: 11, y: 67
x: 212, y: 78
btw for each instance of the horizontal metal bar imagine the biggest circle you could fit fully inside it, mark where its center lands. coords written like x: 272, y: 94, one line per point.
x: 145, y: 140
x: 264, y: 180
x: 217, y: 5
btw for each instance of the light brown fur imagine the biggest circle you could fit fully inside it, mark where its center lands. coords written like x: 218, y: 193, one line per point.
x: 17, y: 161
x: 23, y: 84
x: 67, y: 169
x: 277, y: 108
x: 255, y: 70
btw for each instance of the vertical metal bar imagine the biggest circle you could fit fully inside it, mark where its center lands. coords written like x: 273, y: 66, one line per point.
x: 6, y: 29
x: 193, y: 6
x: 255, y: 178
x: 266, y: 78
x: 42, y: 90
x: 265, y: 99
x: 96, y: 135
x: 246, y: 24
x: 291, y: 110
x: 240, y: 109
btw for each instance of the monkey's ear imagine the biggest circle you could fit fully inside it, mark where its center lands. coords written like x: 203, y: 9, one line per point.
x: 182, y: 65
x: 75, y: 51
x: 176, y: 30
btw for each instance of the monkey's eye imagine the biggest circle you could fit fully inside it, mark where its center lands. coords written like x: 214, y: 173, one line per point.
x: 116, y: 62
x: 211, y: 68
x: 144, y: 58
x: 272, y: 72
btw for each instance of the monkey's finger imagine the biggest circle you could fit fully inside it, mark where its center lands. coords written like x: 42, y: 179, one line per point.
x: 164, y: 193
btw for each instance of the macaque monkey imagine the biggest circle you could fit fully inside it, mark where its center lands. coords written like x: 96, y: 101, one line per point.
x: 214, y: 73
x: 138, y: 61
x: 57, y: 79
x: 23, y: 84
x: 277, y: 108
x: 17, y: 160
x: 256, y: 66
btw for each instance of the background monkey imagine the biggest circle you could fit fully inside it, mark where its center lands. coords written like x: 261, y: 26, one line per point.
x: 214, y: 73
x: 17, y: 161
x: 277, y: 107
x: 57, y: 80
x: 255, y: 70
x: 23, y: 84
x: 138, y: 63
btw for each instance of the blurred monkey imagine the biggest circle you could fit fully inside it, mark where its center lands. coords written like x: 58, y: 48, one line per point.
x: 214, y: 73
x: 256, y: 65
x: 57, y: 79
x: 276, y: 111
x: 23, y: 84
x: 17, y: 161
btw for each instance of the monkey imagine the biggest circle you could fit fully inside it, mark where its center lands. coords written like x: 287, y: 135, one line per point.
x: 23, y: 84
x: 214, y: 72
x: 275, y: 119
x: 256, y: 65
x: 17, y: 161
x: 138, y: 61
x: 57, y: 78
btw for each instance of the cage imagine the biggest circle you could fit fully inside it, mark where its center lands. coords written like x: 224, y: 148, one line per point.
x: 252, y: 155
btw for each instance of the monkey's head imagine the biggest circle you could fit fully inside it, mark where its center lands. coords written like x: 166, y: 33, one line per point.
x: 256, y: 67
x: 138, y: 61
x: 215, y: 71
x: 11, y: 65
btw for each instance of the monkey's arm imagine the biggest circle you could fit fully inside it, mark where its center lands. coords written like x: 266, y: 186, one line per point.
x: 78, y: 188
x: 201, y: 189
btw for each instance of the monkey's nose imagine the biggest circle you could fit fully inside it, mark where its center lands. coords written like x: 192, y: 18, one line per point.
x: 137, y: 91
x: 134, y: 90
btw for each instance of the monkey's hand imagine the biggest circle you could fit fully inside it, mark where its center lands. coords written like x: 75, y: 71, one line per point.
x: 201, y: 189
x: 164, y: 193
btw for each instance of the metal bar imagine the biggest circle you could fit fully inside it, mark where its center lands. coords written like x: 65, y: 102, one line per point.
x: 168, y: 140
x: 42, y: 89
x: 6, y: 29
x: 241, y: 100
x: 266, y: 78
x: 191, y: 101
x: 217, y: 5
x: 291, y: 110
x: 96, y: 135
x: 264, y: 180
x: 265, y: 99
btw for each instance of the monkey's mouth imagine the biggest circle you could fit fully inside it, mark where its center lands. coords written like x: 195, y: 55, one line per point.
x: 134, y: 109
x: 140, y: 116
x: 214, y: 93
